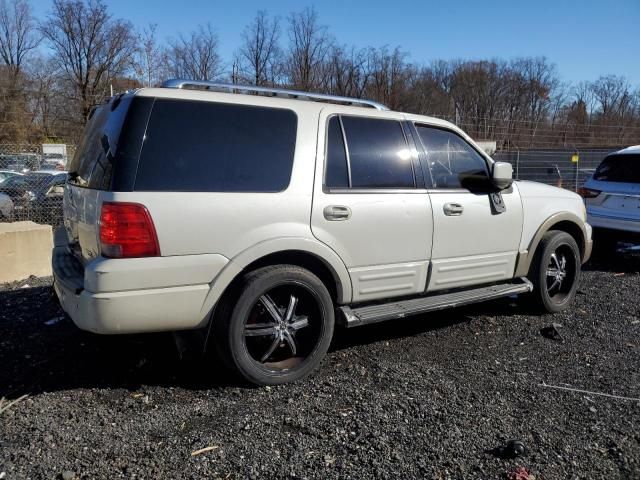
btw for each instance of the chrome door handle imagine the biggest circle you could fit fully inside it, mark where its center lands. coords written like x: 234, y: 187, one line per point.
x: 453, y: 209
x: 336, y: 213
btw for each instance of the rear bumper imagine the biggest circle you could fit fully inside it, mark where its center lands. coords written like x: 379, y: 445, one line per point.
x: 613, y: 223
x: 134, y: 310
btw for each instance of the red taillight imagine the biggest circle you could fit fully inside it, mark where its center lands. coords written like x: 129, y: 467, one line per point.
x: 127, y: 231
x: 588, y: 192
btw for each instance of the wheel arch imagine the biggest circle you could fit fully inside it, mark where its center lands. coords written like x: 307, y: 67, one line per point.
x: 565, y: 222
x: 306, y: 253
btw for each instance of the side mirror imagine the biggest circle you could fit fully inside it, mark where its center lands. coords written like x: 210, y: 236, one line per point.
x: 502, y: 175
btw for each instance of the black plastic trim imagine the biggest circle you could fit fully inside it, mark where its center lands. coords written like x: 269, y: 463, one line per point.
x: 125, y: 162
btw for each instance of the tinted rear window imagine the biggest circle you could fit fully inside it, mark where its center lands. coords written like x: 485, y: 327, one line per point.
x: 619, y: 168
x: 196, y: 146
x: 92, y: 164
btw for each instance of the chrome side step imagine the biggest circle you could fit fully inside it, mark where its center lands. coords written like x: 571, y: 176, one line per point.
x: 379, y: 313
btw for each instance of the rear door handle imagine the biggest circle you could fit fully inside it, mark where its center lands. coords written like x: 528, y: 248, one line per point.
x: 337, y: 213
x: 453, y: 209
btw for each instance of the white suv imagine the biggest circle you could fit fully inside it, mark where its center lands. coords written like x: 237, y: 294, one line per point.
x: 266, y: 215
x: 612, y: 196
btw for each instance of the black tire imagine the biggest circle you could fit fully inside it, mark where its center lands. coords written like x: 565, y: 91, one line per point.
x: 555, y: 271
x: 278, y: 327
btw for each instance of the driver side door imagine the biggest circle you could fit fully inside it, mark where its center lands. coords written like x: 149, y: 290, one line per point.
x: 473, y: 242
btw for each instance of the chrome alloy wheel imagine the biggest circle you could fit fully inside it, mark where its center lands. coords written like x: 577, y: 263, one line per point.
x: 283, y: 327
x: 560, y: 273
x: 556, y: 271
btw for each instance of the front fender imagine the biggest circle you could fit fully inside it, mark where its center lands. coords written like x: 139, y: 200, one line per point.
x: 585, y: 244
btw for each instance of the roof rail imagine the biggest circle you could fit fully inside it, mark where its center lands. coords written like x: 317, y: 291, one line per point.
x: 274, y: 92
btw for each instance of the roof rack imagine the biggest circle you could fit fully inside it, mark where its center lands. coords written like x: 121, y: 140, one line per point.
x: 274, y: 92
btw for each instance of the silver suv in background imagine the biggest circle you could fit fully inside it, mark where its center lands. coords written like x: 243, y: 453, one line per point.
x: 264, y: 218
x: 612, y: 197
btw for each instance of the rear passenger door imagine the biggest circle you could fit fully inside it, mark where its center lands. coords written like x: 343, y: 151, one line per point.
x: 473, y: 242
x: 370, y: 204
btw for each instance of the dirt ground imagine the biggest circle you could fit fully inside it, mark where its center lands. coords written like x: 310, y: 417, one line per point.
x: 426, y: 397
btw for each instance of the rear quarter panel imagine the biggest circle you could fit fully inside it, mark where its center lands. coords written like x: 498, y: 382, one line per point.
x: 226, y: 223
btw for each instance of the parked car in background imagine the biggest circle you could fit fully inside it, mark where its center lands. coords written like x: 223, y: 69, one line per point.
x: 6, y: 208
x: 267, y: 218
x: 612, y: 197
x: 6, y: 160
x: 53, y: 161
x: 55, y: 152
x: 36, y: 195
x: 4, y: 174
x: 20, y: 162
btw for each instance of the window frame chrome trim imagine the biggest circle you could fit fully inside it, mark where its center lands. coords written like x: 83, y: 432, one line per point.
x: 346, y: 149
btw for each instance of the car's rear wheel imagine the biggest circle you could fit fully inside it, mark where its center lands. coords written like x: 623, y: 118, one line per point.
x: 278, y: 328
x: 555, y: 271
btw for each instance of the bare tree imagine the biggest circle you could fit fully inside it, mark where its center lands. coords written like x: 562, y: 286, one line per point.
x: 46, y: 98
x: 17, y: 42
x: 583, y: 94
x: 90, y: 46
x: 540, y: 80
x: 347, y: 72
x: 519, y: 102
x: 429, y: 94
x: 195, y: 56
x: 258, y: 57
x: 308, y: 49
x: 17, y: 33
x: 391, y: 77
x: 148, y: 59
x: 612, y: 95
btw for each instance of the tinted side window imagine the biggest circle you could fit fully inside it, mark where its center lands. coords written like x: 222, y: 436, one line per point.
x: 337, y: 174
x: 378, y: 153
x: 452, y: 161
x: 94, y: 157
x: 196, y: 146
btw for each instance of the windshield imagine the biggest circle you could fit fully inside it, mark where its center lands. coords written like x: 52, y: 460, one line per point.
x: 623, y: 167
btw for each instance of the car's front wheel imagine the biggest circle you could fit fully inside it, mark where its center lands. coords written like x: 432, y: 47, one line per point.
x: 555, y: 271
x: 278, y: 328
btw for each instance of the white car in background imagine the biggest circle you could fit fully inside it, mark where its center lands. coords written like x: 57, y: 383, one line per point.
x: 612, y: 197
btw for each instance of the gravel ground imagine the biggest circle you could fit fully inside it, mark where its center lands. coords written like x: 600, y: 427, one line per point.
x: 428, y: 397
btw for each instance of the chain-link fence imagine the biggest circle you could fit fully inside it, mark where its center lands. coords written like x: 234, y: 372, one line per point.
x: 32, y: 182
x: 567, y: 168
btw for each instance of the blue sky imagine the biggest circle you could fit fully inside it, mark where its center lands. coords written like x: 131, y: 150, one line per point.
x: 584, y: 38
